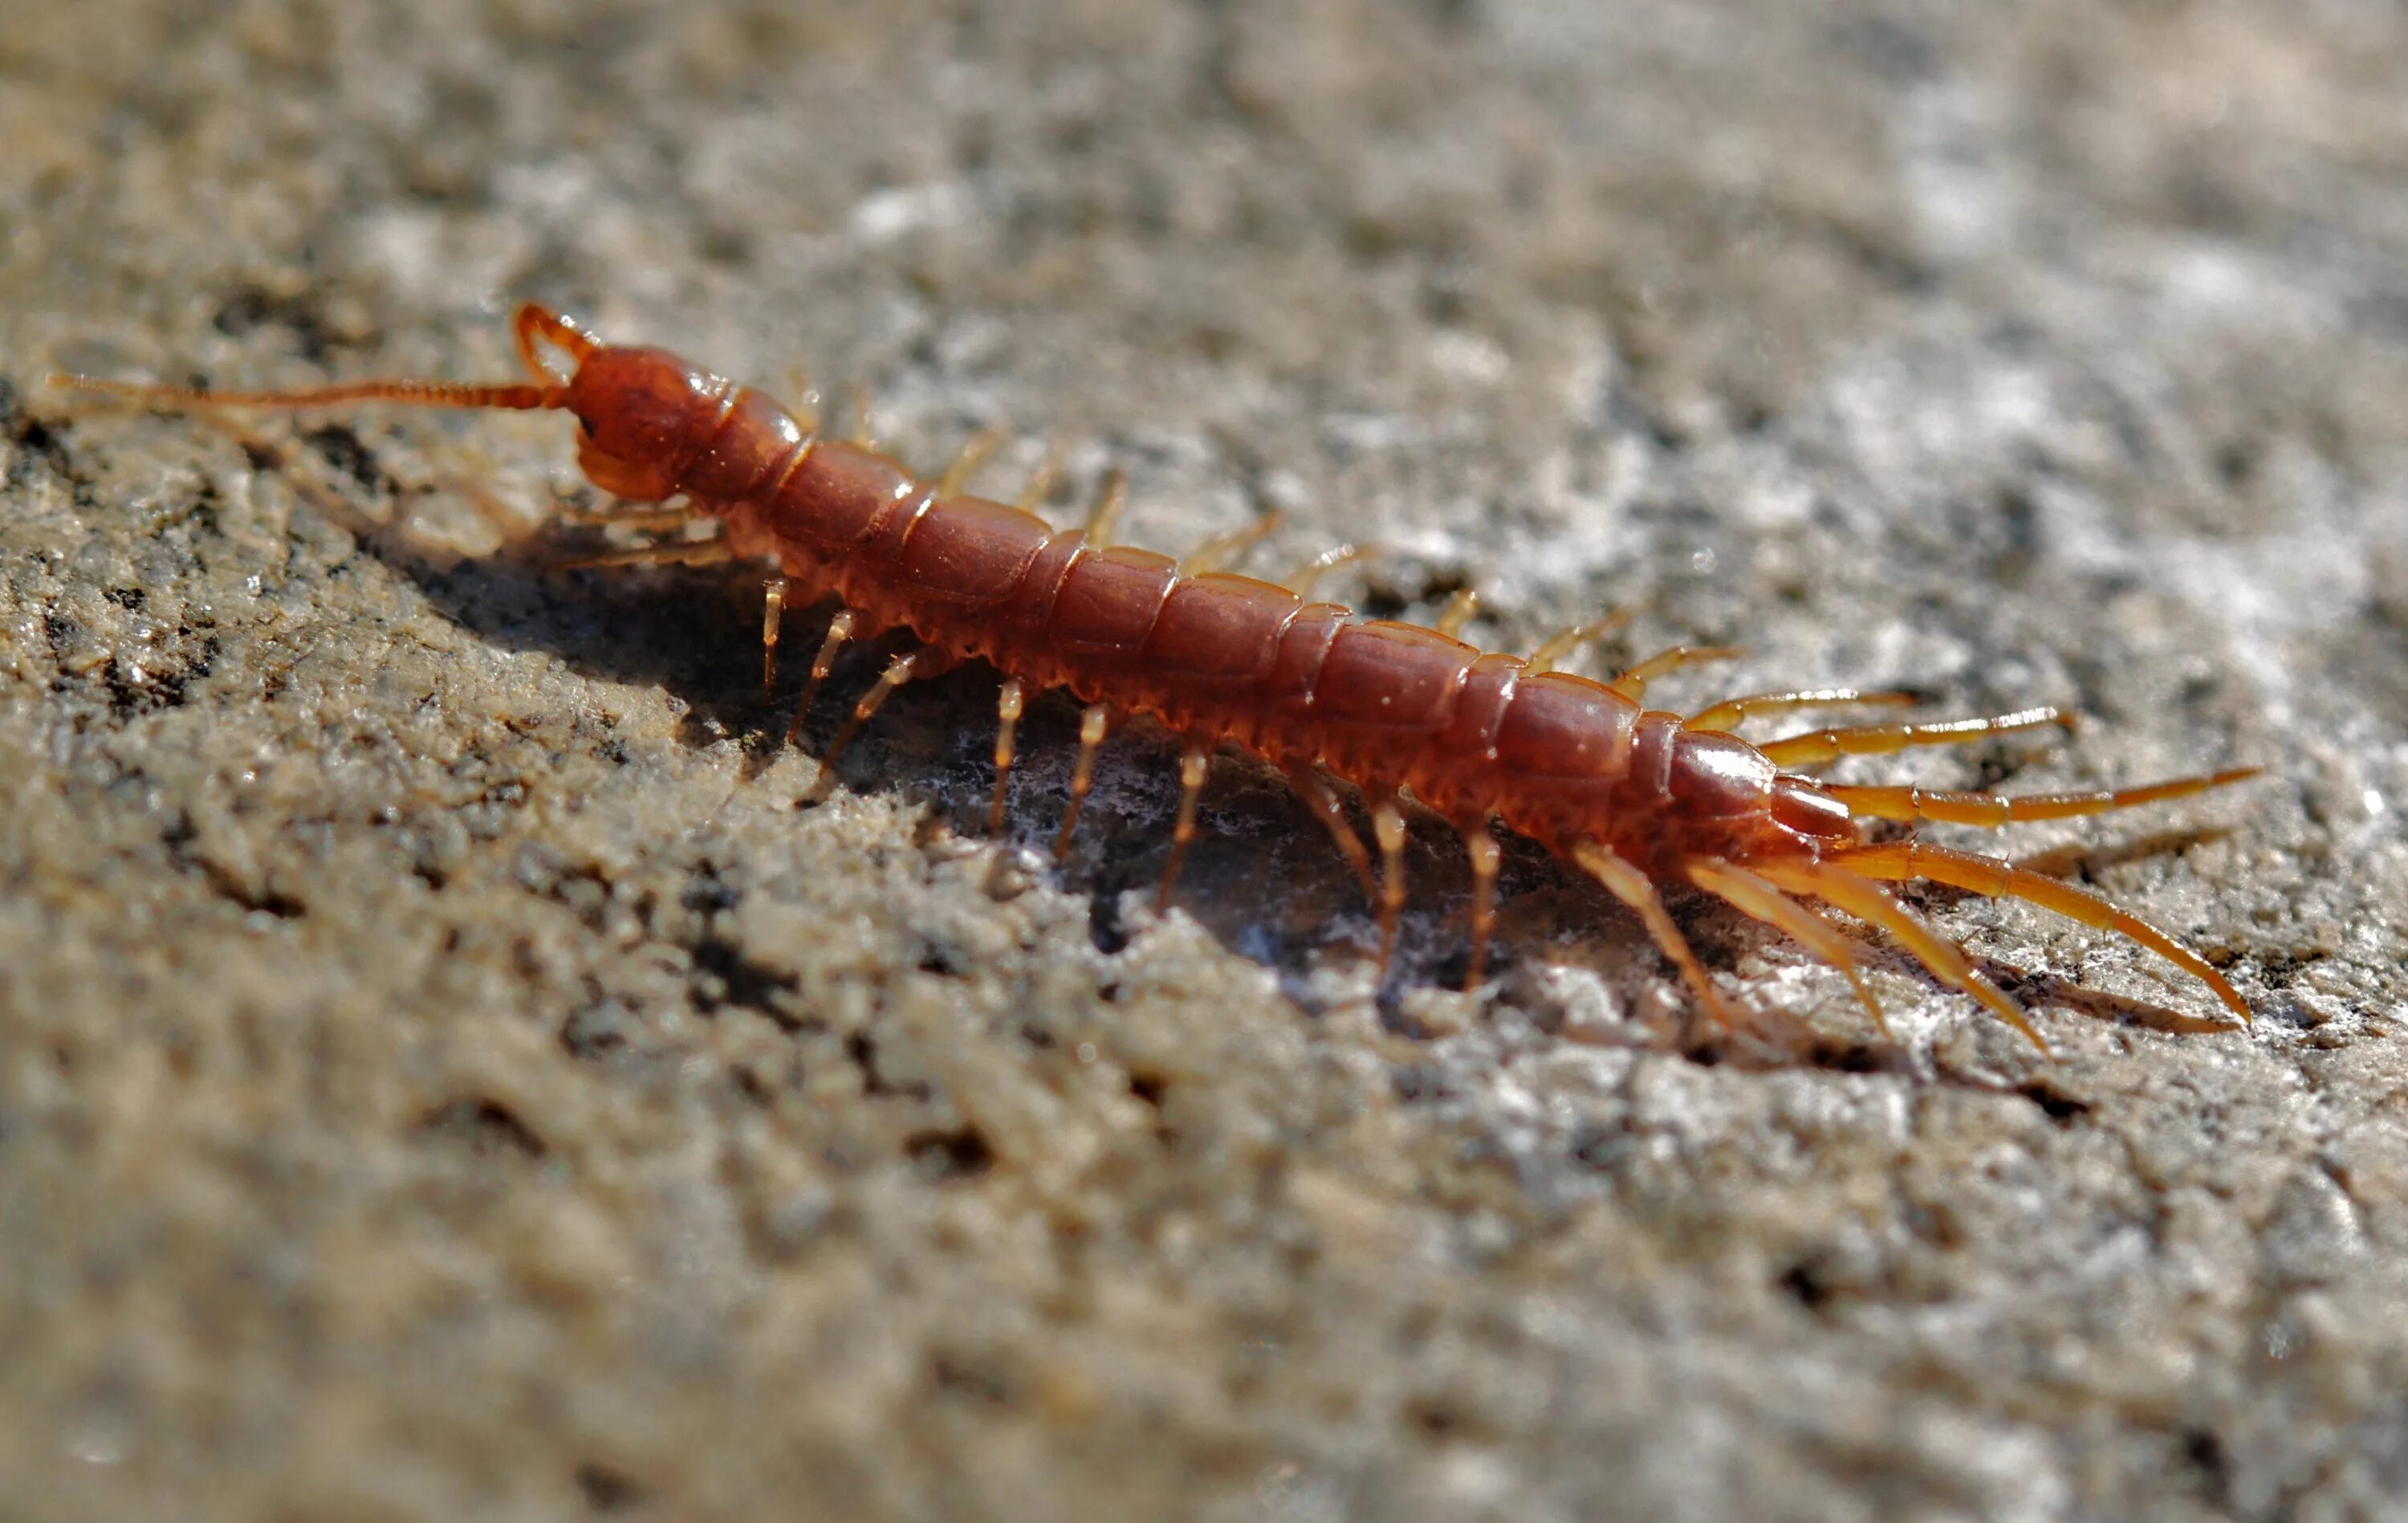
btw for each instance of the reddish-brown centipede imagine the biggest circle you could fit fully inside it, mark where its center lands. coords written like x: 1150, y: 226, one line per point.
x: 1638, y: 798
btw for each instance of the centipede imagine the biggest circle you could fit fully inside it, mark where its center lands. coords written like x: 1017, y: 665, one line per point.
x: 1642, y: 800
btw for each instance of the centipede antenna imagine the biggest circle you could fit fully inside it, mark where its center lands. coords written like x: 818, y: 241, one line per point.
x: 516, y: 396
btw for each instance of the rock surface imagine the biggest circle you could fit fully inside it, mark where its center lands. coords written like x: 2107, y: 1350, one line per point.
x: 442, y: 1072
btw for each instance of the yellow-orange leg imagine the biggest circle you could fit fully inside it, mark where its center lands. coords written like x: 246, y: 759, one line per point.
x: 1818, y: 746
x: 864, y: 432
x: 1459, y: 610
x: 1632, y: 685
x: 840, y: 629
x: 1008, y: 708
x: 1093, y: 727
x: 923, y: 663
x: 1994, y: 879
x: 1306, y: 577
x: 1485, y: 860
x: 1986, y: 808
x: 671, y: 553
x: 1753, y: 897
x: 1562, y: 643
x: 1195, y: 765
x: 1863, y: 898
x: 773, y: 614
x: 1311, y: 787
x: 1226, y: 549
x: 1040, y: 483
x: 1731, y: 712
x: 1104, y: 518
x: 1388, y: 831
x: 965, y: 464
x: 1632, y: 887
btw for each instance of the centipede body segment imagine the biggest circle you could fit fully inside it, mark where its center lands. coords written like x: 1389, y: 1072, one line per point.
x: 1639, y: 799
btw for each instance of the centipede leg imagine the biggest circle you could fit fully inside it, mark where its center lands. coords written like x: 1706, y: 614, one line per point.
x: 1728, y: 713
x: 1460, y: 609
x: 1104, y: 518
x: 1632, y: 685
x: 1093, y: 727
x: 1040, y: 483
x: 1815, y: 747
x: 1485, y: 861
x: 1863, y: 898
x: 1306, y: 577
x: 673, y: 553
x: 1315, y: 792
x: 1753, y: 897
x: 840, y: 629
x: 1388, y: 829
x: 1008, y: 708
x: 1563, y: 642
x: 1991, y: 809
x: 1222, y: 548
x: 957, y: 474
x: 773, y: 614
x: 1195, y: 764
x: 1632, y: 887
x: 919, y: 663
x: 1994, y: 879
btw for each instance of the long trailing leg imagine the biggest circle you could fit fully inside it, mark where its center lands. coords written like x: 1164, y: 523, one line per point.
x: 925, y: 662
x: 1008, y: 704
x: 1994, y: 879
x: 1388, y: 829
x: 1818, y: 746
x: 839, y: 630
x: 1314, y: 791
x: 1632, y: 685
x: 1485, y: 859
x: 1863, y: 898
x: 1562, y: 643
x: 1753, y: 897
x: 1195, y: 765
x: 1730, y: 714
x: 1991, y: 809
x: 1625, y: 883
x: 1094, y: 725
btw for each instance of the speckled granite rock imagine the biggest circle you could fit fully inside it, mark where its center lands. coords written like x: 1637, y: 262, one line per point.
x: 443, y: 1073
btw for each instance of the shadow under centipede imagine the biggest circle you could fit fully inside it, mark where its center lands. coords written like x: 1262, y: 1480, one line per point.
x: 1262, y: 878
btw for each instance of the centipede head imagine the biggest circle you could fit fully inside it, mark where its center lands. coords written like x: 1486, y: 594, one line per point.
x: 640, y: 412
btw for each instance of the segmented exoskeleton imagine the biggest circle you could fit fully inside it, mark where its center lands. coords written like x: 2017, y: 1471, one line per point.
x: 1638, y: 798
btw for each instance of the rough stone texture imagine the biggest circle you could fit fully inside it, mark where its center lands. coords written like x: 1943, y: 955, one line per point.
x: 442, y: 1073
